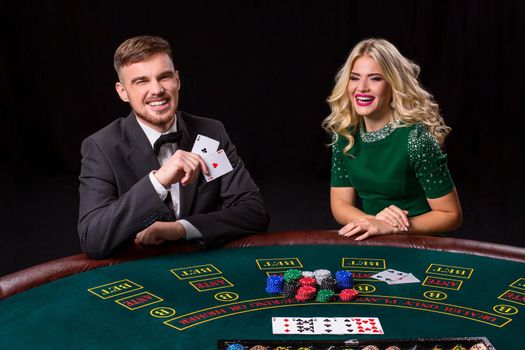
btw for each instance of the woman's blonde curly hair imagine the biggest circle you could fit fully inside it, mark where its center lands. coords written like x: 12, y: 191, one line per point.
x: 411, y: 103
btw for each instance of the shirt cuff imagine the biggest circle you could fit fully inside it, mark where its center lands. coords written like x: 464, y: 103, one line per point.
x: 161, y: 190
x: 191, y: 231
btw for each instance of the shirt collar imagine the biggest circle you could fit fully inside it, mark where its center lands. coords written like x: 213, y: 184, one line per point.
x: 153, y: 134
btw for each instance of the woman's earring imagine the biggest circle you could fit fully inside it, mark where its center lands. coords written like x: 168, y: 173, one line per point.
x: 393, y: 105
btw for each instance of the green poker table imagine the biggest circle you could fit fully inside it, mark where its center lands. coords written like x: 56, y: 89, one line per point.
x: 181, y: 297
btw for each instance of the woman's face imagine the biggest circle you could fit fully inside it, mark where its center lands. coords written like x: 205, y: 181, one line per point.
x: 370, y: 93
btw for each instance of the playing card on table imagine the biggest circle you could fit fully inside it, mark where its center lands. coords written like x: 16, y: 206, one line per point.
x: 218, y: 165
x: 409, y: 278
x: 293, y: 325
x: 204, y: 146
x: 333, y: 325
x: 326, y: 325
x: 367, y: 325
x: 389, y: 276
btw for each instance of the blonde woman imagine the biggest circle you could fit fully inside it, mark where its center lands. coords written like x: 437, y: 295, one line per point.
x: 387, y: 133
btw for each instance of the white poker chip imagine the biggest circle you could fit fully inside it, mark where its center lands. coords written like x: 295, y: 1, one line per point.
x: 308, y: 274
x: 321, y: 275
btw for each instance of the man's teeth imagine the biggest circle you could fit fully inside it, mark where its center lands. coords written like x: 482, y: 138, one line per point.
x: 157, y: 103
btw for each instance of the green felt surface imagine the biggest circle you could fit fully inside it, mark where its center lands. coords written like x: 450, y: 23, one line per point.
x: 65, y: 314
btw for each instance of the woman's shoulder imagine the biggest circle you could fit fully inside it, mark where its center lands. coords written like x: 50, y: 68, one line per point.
x: 414, y: 131
x: 421, y: 141
x: 419, y: 131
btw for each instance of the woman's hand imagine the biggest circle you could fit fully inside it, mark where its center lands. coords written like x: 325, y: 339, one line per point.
x: 368, y: 227
x: 395, y: 216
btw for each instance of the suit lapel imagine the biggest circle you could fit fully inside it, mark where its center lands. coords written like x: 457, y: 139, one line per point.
x: 187, y: 193
x: 137, y: 149
x: 139, y: 153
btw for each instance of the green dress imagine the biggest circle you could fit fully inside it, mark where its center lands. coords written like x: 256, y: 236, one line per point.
x: 395, y: 165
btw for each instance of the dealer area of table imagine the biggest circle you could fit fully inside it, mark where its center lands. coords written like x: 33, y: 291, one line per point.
x: 191, y: 299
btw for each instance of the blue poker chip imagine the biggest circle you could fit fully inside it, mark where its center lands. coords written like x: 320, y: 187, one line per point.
x: 235, y: 347
x: 274, y: 284
x: 344, y: 279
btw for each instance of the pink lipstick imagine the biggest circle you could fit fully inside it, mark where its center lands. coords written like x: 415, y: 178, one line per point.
x: 364, y: 100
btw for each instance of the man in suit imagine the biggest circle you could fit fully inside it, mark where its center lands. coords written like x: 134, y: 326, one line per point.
x: 134, y: 187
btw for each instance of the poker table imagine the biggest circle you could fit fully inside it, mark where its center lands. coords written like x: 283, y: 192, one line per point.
x: 181, y: 297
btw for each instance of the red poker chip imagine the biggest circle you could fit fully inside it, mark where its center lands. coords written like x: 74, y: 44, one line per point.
x: 348, y: 294
x: 308, y: 281
x: 306, y: 293
x: 299, y: 298
x: 306, y: 290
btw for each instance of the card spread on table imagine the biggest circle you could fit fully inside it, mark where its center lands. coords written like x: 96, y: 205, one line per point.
x: 218, y: 165
x: 392, y: 276
x: 204, y: 146
x: 326, y: 325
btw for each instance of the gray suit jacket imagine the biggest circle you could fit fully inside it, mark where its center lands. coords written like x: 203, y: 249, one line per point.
x: 117, y: 199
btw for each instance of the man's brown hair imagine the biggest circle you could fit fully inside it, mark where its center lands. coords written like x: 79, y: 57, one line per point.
x: 138, y: 49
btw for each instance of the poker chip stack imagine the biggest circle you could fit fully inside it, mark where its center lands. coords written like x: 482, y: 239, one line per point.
x: 324, y: 295
x: 344, y: 279
x: 319, y: 285
x: 290, y: 289
x: 274, y: 284
x: 329, y: 283
x: 291, y: 282
x: 308, y: 274
x: 292, y: 275
x: 348, y: 294
x: 305, y: 293
x: 308, y: 281
x: 321, y: 275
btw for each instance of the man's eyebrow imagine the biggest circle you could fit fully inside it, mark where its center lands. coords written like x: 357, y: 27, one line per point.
x: 167, y: 73
x: 134, y: 80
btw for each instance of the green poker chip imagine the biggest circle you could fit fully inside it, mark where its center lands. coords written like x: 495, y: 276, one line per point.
x: 324, y: 295
x: 292, y: 275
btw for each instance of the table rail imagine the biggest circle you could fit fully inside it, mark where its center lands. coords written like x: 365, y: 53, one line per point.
x: 34, y: 276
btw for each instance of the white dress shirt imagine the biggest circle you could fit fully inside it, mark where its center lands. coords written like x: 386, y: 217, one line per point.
x: 166, y: 151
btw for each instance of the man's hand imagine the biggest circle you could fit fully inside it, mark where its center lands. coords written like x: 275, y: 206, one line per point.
x: 183, y: 167
x: 159, y: 232
x: 368, y: 227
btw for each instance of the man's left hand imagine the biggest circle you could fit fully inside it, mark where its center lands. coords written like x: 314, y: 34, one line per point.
x: 159, y: 232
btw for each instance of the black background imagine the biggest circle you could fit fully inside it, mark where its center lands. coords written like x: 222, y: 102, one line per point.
x: 264, y: 68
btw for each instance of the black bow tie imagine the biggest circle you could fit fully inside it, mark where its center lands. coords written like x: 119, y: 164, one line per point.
x: 172, y: 137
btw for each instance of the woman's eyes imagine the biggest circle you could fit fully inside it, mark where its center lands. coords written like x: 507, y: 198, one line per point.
x: 375, y: 78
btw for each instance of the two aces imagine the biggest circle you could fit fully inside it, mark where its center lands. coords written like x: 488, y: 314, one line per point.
x: 217, y: 161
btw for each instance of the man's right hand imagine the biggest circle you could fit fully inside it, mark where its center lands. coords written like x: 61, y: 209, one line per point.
x: 183, y: 167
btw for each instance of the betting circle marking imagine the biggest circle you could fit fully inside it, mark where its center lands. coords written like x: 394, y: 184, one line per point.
x: 435, y: 295
x: 162, y: 312
x: 503, y: 309
x: 365, y: 288
x: 226, y: 296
